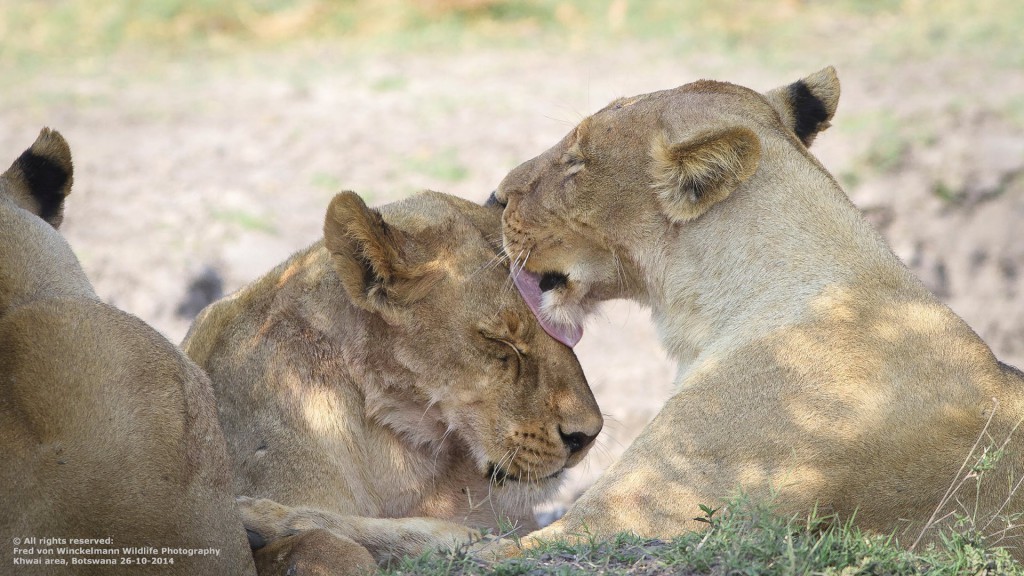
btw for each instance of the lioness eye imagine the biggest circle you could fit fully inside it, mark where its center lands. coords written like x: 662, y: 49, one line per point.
x: 507, y: 344
x: 511, y: 346
x: 573, y: 164
x: 572, y: 160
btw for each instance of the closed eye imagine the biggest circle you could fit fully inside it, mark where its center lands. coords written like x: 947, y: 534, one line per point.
x: 504, y: 341
x: 519, y: 353
x: 572, y: 163
x: 505, y: 357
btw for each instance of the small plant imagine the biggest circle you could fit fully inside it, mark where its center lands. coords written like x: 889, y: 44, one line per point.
x: 709, y: 515
x: 964, y: 528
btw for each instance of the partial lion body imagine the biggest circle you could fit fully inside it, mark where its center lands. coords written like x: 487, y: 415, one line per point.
x: 789, y: 420
x: 385, y: 392
x: 814, y: 369
x: 108, y: 430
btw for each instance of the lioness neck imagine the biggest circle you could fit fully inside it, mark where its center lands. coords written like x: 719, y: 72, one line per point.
x: 357, y: 403
x: 760, y: 260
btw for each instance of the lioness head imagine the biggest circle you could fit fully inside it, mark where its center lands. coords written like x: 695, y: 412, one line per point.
x: 462, y: 360
x: 585, y: 218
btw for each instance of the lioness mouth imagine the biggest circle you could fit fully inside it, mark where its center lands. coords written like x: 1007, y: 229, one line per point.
x: 499, y: 476
x: 532, y: 287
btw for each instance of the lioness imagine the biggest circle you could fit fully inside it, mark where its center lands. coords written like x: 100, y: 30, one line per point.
x: 813, y: 367
x: 386, y: 386
x: 107, y: 431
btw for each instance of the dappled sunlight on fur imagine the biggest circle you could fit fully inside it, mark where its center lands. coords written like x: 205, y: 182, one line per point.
x: 384, y: 392
x: 813, y: 367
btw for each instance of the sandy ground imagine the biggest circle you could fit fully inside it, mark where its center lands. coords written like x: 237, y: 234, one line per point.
x: 189, y: 166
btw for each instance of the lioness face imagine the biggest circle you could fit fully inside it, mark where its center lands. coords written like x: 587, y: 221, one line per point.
x: 587, y: 219
x: 485, y: 374
x: 570, y: 212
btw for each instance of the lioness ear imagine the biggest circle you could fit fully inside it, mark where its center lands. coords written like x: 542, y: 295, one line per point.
x: 40, y: 178
x: 806, y: 106
x: 369, y: 258
x: 696, y: 174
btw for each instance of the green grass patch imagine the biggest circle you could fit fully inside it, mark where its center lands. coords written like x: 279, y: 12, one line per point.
x: 747, y: 540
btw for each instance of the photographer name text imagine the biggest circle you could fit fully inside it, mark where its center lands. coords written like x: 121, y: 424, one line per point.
x: 49, y: 551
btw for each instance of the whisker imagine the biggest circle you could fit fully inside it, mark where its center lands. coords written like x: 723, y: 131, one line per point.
x: 620, y: 272
x: 512, y: 269
x: 611, y: 419
x: 611, y: 437
x: 495, y: 262
x: 444, y: 437
x: 516, y: 270
x: 511, y: 456
x: 430, y: 405
x: 561, y: 121
x: 495, y: 238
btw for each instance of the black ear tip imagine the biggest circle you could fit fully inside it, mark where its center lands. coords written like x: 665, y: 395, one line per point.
x: 810, y: 114
x: 46, y: 172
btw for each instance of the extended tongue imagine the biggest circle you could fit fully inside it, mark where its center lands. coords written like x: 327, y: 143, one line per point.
x: 528, y: 285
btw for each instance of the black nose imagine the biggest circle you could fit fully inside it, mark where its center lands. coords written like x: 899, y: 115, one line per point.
x: 492, y: 200
x: 552, y: 280
x: 576, y: 441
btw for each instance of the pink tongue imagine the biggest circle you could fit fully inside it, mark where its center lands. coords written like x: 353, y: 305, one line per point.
x: 529, y: 286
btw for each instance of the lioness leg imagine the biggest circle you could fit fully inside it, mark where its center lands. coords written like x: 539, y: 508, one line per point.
x: 384, y: 538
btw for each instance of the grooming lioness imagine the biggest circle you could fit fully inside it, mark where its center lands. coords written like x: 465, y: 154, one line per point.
x: 386, y: 386
x: 109, y: 442
x: 813, y: 367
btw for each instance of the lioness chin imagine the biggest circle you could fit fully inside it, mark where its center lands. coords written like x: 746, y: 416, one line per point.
x: 386, y: 390
x: 814, y: 369
x: 108, y: 433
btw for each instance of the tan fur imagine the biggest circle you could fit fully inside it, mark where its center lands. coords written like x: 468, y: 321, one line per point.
x: 813, y: 368
x: 370, y: 385
x: 106, y: 429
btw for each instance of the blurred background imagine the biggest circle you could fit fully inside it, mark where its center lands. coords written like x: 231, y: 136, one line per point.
x: 209, y: 136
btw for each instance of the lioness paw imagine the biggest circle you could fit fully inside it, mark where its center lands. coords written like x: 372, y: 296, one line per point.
x: 394, y: 538
x: 265, y: 520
